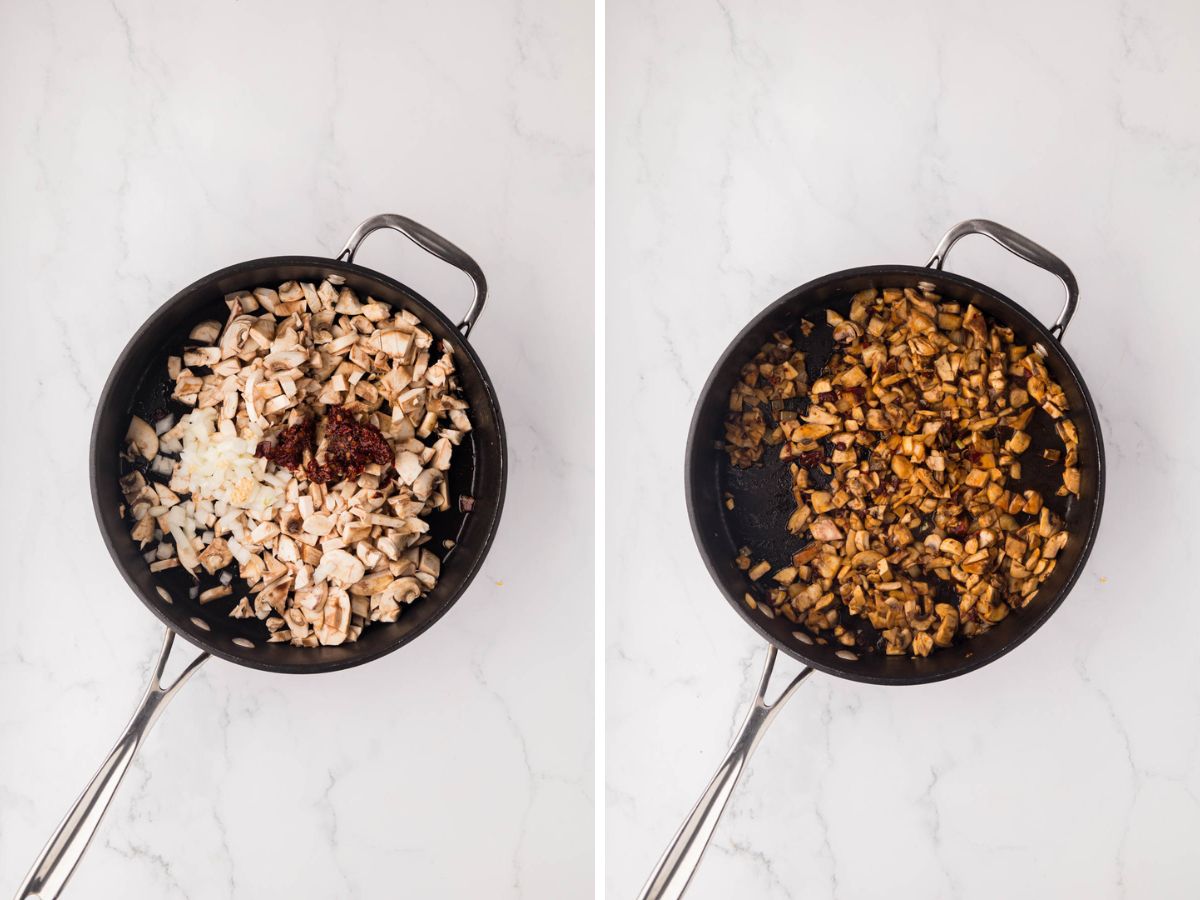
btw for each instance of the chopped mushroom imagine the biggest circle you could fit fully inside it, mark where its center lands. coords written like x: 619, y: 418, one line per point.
x: 143, y: 531
x: 905, y: 470
x: 335, y: 620
x: 142, y: 437
x: 216, y: 556
x: 339, y: 567
x: 215, y: 593
x: 275, y: 594
x: 206, y: 332
x: 320, y: 556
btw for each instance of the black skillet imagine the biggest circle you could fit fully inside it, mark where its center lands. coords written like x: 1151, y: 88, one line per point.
x: 138, y: 384
x: 763, y: 503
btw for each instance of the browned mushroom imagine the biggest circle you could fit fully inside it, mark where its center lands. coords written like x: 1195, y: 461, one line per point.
x: 916, y: 425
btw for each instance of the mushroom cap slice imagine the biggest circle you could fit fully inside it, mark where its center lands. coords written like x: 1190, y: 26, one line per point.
x: 216, y: 556
x: 340, y: 567
x: 372, y: 584
x: 235, y: 335
x: 142, y: 436
x: 335, y: 622
x: 206, y: 332
x: 404, y: 590
x: 275, y: 594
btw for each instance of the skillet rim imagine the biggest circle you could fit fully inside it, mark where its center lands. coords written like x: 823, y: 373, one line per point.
x: 716, y: 571
x: 461, y: 345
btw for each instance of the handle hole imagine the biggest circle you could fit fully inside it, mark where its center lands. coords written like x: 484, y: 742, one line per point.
x: 981, y: 259
x: 396, y: 256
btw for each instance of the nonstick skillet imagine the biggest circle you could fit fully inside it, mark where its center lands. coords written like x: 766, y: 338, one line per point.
x: 139, y: 384
x: 763, y: 504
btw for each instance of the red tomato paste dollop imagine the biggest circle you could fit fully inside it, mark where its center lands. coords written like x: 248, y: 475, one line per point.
x: 350, y: 446
x: 288, y: 449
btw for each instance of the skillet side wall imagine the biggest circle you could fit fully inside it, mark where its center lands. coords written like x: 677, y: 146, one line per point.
x: 762, y: 494
x: 137, y: 382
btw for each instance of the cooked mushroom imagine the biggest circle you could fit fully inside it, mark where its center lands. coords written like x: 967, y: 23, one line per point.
x: 915, y: 426
x: 823, y: 528
x: 1071, y: 480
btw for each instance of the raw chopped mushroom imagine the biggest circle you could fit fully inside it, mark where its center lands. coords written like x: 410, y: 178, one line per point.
x: 142, y: 437
x: 904, y: 457
x: 315, y: 438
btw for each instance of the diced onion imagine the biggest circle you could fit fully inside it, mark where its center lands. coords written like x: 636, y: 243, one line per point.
x: 240, y: 553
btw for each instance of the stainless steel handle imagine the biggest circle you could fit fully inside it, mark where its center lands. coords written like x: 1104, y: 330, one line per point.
x: 1021, y: 246
x: 670, y: 877
x: 431, y: 242
x: 66, y: 846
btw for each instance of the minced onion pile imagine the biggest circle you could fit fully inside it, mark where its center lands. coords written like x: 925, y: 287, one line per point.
x: 225, y: 477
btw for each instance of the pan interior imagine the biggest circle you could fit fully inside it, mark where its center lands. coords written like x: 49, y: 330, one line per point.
x: 762, y: 494
x: 139, y: 385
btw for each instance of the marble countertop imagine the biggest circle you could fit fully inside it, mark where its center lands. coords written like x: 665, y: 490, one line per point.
x: 145, y: 145
x: 752, y: 147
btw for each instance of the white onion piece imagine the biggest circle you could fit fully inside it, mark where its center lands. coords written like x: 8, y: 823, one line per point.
x: 240, y: 553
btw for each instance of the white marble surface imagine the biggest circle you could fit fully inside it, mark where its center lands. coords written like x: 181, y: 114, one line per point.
x: 753, y: 146
x: 145, y: 145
